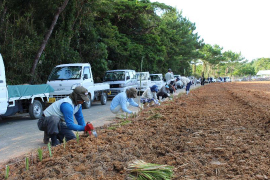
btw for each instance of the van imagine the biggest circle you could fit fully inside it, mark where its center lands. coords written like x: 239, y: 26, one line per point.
x: 120, y: 80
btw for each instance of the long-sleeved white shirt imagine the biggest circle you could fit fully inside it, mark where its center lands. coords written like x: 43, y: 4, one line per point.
x: 148, y: 94
x: 185, y: 80
x: 169, y: 76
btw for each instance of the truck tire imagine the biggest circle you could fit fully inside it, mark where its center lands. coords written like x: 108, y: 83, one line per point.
x: 103, y: 99
x: 35, y: 109
x: 87, y: 105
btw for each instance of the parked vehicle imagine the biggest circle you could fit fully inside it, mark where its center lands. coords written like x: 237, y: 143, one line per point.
x: 22, y: 98
x: 65, y: 77
x: 120, y: 80
x: 157, y: 79
x: 143, y: 81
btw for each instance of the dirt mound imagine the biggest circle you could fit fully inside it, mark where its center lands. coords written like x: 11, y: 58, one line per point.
x: 219, y: 131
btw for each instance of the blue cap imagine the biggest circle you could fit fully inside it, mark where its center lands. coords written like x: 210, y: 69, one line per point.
x: 167, y: 86
x: 154, y: 88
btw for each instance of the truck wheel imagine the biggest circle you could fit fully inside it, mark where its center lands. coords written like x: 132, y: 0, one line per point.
x: 103, y: 99
x: 35, y: 109
x: 87, y: 105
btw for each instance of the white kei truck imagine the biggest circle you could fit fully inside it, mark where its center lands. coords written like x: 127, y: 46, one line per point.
x: 65, y: 77
x: 120, y: 80
x: 22, y: 98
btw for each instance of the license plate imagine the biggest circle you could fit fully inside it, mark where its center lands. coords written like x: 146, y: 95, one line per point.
x: 52, y: 100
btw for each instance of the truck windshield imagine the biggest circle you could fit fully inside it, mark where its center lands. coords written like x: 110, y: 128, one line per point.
x: 143, y: 76
x: 155, y: 78
x: 65, y: 73
x: 115, y: 76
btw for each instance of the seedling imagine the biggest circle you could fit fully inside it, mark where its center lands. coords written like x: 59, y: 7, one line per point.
x: 7, y: 172
x: 27, y: 163
x: 50, y: 151
x: 64, y: 142
x: 140, y: 170
x: 77, y: 137
x: 40, y: 154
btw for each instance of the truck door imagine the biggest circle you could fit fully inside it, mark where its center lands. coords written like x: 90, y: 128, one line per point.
x: 87, y: 77
x: 3, y: 88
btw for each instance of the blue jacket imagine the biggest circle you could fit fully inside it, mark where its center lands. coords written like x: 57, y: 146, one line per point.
x: 67, y: 111
x: 122, y: 99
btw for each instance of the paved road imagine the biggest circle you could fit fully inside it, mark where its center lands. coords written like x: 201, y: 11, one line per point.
x: 19, y: 134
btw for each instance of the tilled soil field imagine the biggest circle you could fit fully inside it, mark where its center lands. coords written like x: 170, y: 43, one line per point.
x: 218, y: 131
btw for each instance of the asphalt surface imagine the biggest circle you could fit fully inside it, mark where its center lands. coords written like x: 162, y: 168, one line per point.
x: 20, y: 135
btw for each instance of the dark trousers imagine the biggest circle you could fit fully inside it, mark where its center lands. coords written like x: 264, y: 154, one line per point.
x: 188, y: 86
x: 65, y: 132
x: 164, y: 95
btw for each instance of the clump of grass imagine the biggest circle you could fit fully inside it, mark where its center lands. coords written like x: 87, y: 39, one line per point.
x: 40, y: 154
x: 155, y: 116
x: 125, y: 122
x: 140, y: 170
x: 112, y: 128
x: 7, y: 172
x: 27, y: 163
x: 50, y: 150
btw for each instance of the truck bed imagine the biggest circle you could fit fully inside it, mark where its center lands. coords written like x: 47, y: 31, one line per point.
x: 28, y: 91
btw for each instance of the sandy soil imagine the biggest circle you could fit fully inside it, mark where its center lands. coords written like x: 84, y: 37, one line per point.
x: 219, y: 131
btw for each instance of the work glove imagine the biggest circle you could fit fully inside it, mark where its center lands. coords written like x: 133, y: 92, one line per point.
x: 89, y: 128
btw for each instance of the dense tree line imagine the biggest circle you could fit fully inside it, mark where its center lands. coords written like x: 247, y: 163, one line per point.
x: 109, y: 34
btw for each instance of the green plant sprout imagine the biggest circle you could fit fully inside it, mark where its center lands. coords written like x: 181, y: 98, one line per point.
x: 77, y: 137
x: 50, y: 151
x: 40, y: 154
x: 7, y: 172
x: 64, y: 142
x: 140, y: 170
x: 27, y: 163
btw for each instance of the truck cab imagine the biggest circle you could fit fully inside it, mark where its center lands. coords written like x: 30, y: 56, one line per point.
x: 157, y: 79
x: 143, y: 81
x: 3, y: 88
x: 120, y: 80
x: 65, y: 77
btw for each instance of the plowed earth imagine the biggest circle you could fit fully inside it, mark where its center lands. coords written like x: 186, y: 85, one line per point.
x: 218, y: 131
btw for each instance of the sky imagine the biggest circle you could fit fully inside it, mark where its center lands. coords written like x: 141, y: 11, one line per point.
x: 236, y: 25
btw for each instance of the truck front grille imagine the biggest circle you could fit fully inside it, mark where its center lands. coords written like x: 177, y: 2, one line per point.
x: 114, y: 85
x: 58, y: 97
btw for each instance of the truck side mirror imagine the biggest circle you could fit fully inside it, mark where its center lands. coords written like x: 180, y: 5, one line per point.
x: 85, y: 76
x: 128, y: 77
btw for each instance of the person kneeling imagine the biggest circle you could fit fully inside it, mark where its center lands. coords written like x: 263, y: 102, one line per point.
x: 149, y: 97
x: 57, y: 120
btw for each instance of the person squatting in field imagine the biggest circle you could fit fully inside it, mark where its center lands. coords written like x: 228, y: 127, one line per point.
x: 121, y: 101
x: 149, y: 96
x: 57, y: 120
